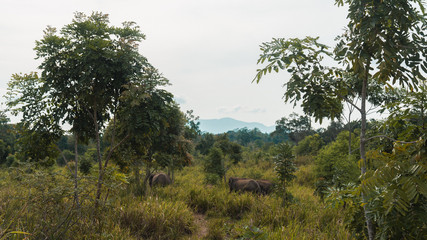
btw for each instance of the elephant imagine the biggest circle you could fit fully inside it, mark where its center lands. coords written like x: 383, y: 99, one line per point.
x: 266, y: 186
x: 161, y: 179
x: 244, y: 185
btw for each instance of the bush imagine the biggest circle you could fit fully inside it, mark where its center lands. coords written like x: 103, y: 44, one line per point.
x: 85, y: 165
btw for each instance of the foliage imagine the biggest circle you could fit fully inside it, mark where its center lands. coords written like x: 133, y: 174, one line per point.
x: 310, y: 145
x: 400, y: 191
x: 331, y: 132
x: 231, y: 150
x: 167, y: 212
x: 151, y: 128
x: 284, y: 168
x: 69, y: 156
x: 192, y: 127
x: 207, y: 140
x: 384, y: 43
x: 333, y: 164
x: 7, y: 138
x: 247, y: 137
x: 214, y: 164
x: 36, y: 146
x: 296, y: 127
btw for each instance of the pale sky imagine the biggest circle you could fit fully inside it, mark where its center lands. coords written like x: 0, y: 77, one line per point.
x: 208, y: 49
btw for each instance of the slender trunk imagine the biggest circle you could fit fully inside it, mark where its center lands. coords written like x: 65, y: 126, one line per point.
x: 76, y: 157
x: 147, y: 172
x: 98, y: 151
x: 224, y: 171
x: 136, y: 173
x: 368, y: 220
x: 349, y: 135
x: 172, y: 171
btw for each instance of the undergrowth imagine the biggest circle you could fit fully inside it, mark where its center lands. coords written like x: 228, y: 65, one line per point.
x: 39, y: 204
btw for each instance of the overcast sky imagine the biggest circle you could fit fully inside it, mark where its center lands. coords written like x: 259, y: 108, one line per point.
x: 207, y: 48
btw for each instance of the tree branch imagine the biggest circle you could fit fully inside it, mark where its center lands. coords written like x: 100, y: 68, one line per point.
x: 349, y: 102
x: 113, y: 148
x: 65, y: 159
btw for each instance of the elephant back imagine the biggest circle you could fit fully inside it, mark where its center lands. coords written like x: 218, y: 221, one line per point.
x: 266, y: 186
x: 160, y: 179
x: 244, y: 185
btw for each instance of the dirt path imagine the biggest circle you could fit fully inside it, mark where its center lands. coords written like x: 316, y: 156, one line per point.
x: 202, y: 226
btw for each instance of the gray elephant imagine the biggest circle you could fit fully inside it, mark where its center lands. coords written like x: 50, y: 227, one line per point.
x: 244, y: 185
x: 160, y: 179
x: 266, y: 186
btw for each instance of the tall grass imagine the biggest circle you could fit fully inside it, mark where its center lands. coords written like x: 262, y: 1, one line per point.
x: 154, y: 218
x: 41, y: 204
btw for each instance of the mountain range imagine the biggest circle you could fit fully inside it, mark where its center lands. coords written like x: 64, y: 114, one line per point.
x: 223, y: 125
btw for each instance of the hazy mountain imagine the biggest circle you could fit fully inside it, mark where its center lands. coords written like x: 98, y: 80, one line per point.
x: 227, y: 124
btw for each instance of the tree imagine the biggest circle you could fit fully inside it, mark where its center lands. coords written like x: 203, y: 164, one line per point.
x: 206, y: 142
x: 86, y: 66
x: 214, y: 165
x: 333, y: 164
x: 385, y: 43
x: 7, y: 138
x: 192, y: 127
x: 84, y: 69
x: 310, y: 145
x: 154, y: 128
x: 284, y: 167
x: 296, y: 127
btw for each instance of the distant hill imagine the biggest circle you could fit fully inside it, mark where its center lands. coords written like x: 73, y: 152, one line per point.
x: 223, y: 125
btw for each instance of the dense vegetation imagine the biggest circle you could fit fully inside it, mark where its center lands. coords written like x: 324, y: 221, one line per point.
x: 360, y: 179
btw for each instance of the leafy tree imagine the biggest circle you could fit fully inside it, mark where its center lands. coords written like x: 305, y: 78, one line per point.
x: 385, y: 43
x: 296, y: 127
x: 310, y: 145
x: 284, y: 168
x: 252, y: 138
x: 331, y: 132
x: 333, y: 164
x: 153, y: 127
x: 192, y: 128
x: 214, y: 165
x: 7, y: 138
x: 85, y: 67
x: 206, y: 142
x: 232, y: 152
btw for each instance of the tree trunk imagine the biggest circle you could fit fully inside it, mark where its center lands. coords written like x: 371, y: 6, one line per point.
x: 76, y: 159
x: 368, y: 220
x: 137, y: 176
x: 98, y: 151
x: 349, y: 135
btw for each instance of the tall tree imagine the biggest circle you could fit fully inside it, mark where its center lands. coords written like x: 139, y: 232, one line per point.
x: 385, y: 42
x: 154, y: 127
x: 296, y: 127
x: 84, y: 69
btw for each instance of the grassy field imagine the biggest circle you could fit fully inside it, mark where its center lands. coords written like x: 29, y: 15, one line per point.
x: 38, y: 204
